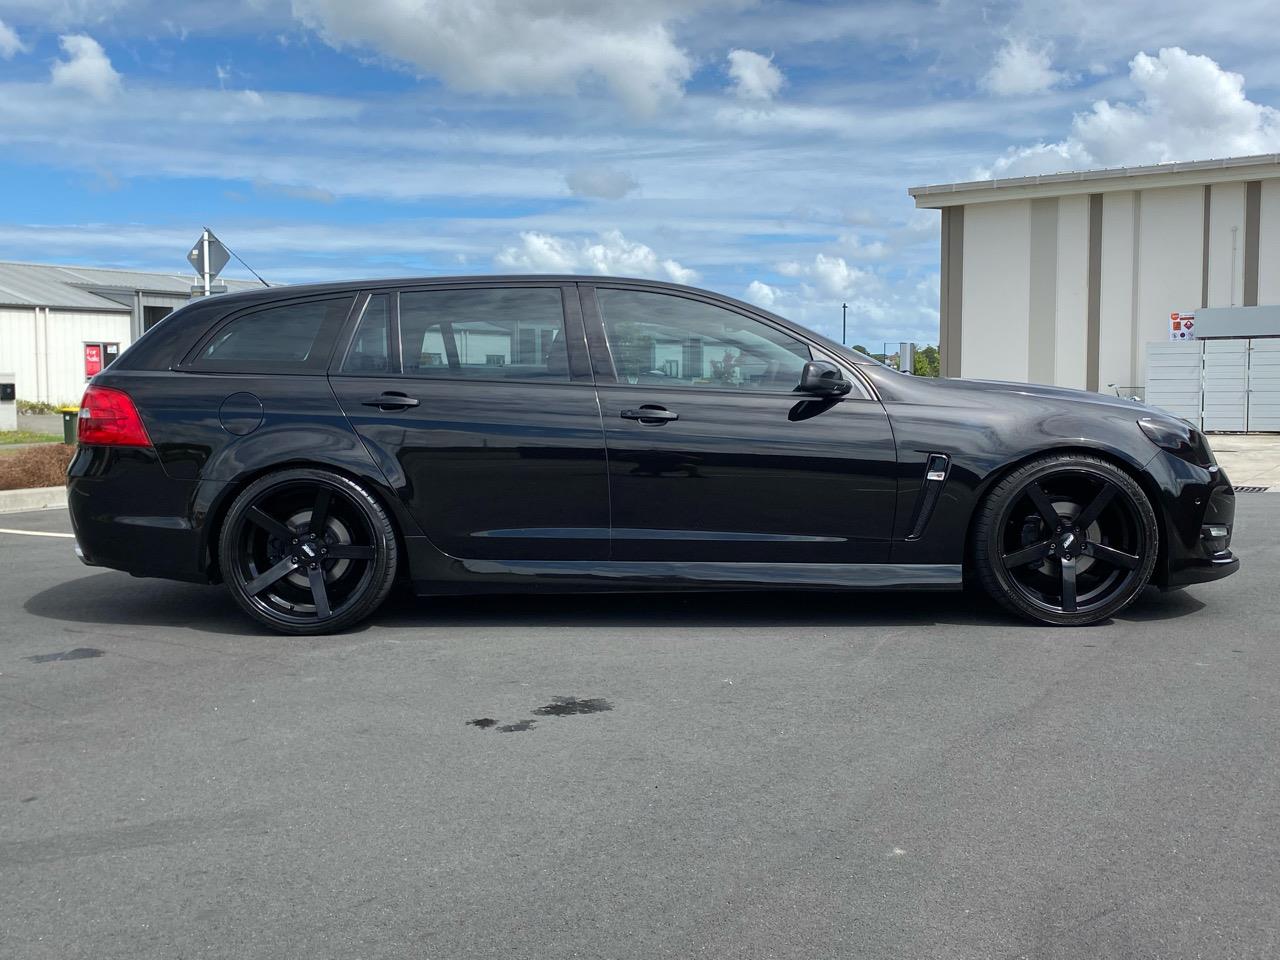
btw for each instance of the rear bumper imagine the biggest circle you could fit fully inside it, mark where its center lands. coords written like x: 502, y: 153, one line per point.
x: 128, y: 514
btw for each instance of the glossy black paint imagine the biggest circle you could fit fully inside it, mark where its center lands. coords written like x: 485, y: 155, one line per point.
x: 508, y: 485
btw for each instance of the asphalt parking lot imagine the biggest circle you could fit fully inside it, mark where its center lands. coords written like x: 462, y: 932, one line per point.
x: 749, y: 776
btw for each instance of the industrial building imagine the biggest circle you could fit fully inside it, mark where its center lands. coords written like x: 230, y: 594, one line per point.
x: 1070, y: 279
x: 59, y: 325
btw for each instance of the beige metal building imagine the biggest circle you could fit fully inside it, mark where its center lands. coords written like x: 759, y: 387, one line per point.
x: 1065, y: 279
x: 59, y: 324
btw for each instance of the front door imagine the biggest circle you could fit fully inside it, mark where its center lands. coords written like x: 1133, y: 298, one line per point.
x: 478, y: 404
x: 713, y: 456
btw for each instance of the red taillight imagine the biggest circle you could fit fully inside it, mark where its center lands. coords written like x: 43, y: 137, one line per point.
x: 109, y: 418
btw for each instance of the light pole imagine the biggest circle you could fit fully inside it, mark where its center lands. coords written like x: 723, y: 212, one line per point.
x: 844, y: 324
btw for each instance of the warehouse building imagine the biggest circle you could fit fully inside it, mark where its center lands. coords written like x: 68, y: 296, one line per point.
x: 1069, y: 279
x: 59, y: 325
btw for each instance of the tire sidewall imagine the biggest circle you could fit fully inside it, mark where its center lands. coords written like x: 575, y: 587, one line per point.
x: 385, y: 547
x: 995, y: 575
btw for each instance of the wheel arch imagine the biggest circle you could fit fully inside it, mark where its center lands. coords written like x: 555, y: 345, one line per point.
x: 1118, y: 459
x: 220, y: 505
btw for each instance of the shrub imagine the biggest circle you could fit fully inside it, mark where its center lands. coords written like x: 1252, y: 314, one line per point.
x: 36, y: 406
x: 42, y: 466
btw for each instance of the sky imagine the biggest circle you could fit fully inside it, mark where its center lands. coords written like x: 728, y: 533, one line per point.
x: 762, y: 149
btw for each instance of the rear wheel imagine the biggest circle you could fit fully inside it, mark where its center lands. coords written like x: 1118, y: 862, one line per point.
x: 1066, y: 540
x: 306, y: 551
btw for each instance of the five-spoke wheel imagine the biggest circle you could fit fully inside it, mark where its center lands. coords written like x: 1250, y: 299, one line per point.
x: 307, y: 551
x: 1066, y: 540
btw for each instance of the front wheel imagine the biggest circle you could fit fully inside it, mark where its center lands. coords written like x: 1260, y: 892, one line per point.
x: 1066, y: 540
x: 307, y: 551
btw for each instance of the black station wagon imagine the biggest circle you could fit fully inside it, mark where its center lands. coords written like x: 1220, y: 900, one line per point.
x: 310, y: 445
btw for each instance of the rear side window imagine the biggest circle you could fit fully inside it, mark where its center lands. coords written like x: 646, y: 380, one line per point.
x: 514, y: 333
x: 288, y: 338
x: 370, y: 351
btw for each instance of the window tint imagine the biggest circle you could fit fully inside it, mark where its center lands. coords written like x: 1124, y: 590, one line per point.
x: 667, y: 340
x: 495, y: 334
x: 370, y: 348
x: 290, y: 337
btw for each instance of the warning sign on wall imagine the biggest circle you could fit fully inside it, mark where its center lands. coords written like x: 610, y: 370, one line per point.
x: 1182, y: 326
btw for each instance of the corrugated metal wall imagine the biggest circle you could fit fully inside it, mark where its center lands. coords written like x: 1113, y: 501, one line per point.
x: 45, y: 349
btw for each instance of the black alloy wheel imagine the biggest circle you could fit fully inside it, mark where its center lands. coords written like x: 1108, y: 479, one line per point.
x: 1066, y: 540
x: 307, y: 551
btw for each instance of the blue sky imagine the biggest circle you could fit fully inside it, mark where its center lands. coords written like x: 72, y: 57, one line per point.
x: 758, y: 148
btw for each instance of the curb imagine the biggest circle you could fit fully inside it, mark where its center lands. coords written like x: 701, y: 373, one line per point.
x: 34, y: 498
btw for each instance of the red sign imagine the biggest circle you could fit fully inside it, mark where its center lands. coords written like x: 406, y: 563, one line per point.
x: 92, y: 359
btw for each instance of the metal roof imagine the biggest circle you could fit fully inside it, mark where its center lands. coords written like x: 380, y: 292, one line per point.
x: 1224, y: 168
x: 72, y: 287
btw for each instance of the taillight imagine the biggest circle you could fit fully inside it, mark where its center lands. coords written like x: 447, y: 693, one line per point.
x: 109, y: 418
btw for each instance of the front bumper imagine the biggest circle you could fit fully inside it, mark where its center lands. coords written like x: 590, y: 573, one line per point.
x: 1200, y: 510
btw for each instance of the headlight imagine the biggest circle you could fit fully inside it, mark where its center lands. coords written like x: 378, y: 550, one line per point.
x: 1179, y: 438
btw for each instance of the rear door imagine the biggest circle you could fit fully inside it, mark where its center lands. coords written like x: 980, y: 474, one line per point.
x: 477, y: 401
x: 713, y: 456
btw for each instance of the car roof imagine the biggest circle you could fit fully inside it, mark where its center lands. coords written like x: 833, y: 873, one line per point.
x: 290, y: 291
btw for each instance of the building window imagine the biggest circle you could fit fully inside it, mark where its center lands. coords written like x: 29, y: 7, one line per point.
x: 153, y: 315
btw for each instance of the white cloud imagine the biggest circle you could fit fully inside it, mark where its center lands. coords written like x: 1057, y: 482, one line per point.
x: 761, y: 294
x: 604, y: 183
x: 518, y: 46
x: 1020, y: 69
x: 611, y: 254
x: 1188, y: 108
x: 831, y: 276
x: 754, y: 76
x: 10, y: 43
x: 86, y: 68
x: 860, y: 249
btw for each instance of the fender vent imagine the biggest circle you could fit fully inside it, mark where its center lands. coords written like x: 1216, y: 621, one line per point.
x: 935, y: 477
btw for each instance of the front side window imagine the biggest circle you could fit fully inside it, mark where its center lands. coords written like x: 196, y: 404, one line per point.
x: 665, y: 340
x: 288, y: 338
x: 487, y: 334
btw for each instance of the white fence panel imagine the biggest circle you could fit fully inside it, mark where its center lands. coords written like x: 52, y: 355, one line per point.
x: 1174, y: 378
x: 1226, y: 384
x: 1264, y: 384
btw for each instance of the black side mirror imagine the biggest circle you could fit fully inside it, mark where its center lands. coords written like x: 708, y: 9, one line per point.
x: 822, y: 379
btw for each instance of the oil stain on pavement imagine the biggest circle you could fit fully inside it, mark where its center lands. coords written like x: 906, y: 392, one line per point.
x: 520, y: 726
x: 569, y: 706
x: 558, y: 707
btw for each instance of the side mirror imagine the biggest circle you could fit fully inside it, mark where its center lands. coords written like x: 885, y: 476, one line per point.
x: 822, y: 379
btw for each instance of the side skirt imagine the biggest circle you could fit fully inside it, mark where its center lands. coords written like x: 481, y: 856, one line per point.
x: 435, y: 573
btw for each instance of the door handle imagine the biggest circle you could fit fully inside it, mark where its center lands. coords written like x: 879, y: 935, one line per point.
x: 390, y: 401
x: 650, y: 413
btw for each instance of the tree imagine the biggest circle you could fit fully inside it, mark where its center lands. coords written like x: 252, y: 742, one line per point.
x: 927, y: 362
x: 861, y: 349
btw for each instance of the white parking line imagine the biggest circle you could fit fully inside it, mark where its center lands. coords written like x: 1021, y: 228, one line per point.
x: 37, y: 533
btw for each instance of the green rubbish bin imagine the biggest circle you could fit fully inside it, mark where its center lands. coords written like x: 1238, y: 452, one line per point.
x: 70, y: 420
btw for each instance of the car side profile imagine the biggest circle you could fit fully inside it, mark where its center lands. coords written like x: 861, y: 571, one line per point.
x: 308, y: 446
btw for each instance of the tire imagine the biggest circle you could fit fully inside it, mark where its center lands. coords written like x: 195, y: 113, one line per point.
x: 1066, y: 540
x: 299, y: 581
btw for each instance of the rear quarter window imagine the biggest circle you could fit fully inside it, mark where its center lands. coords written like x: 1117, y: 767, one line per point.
x: 293, y: 337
